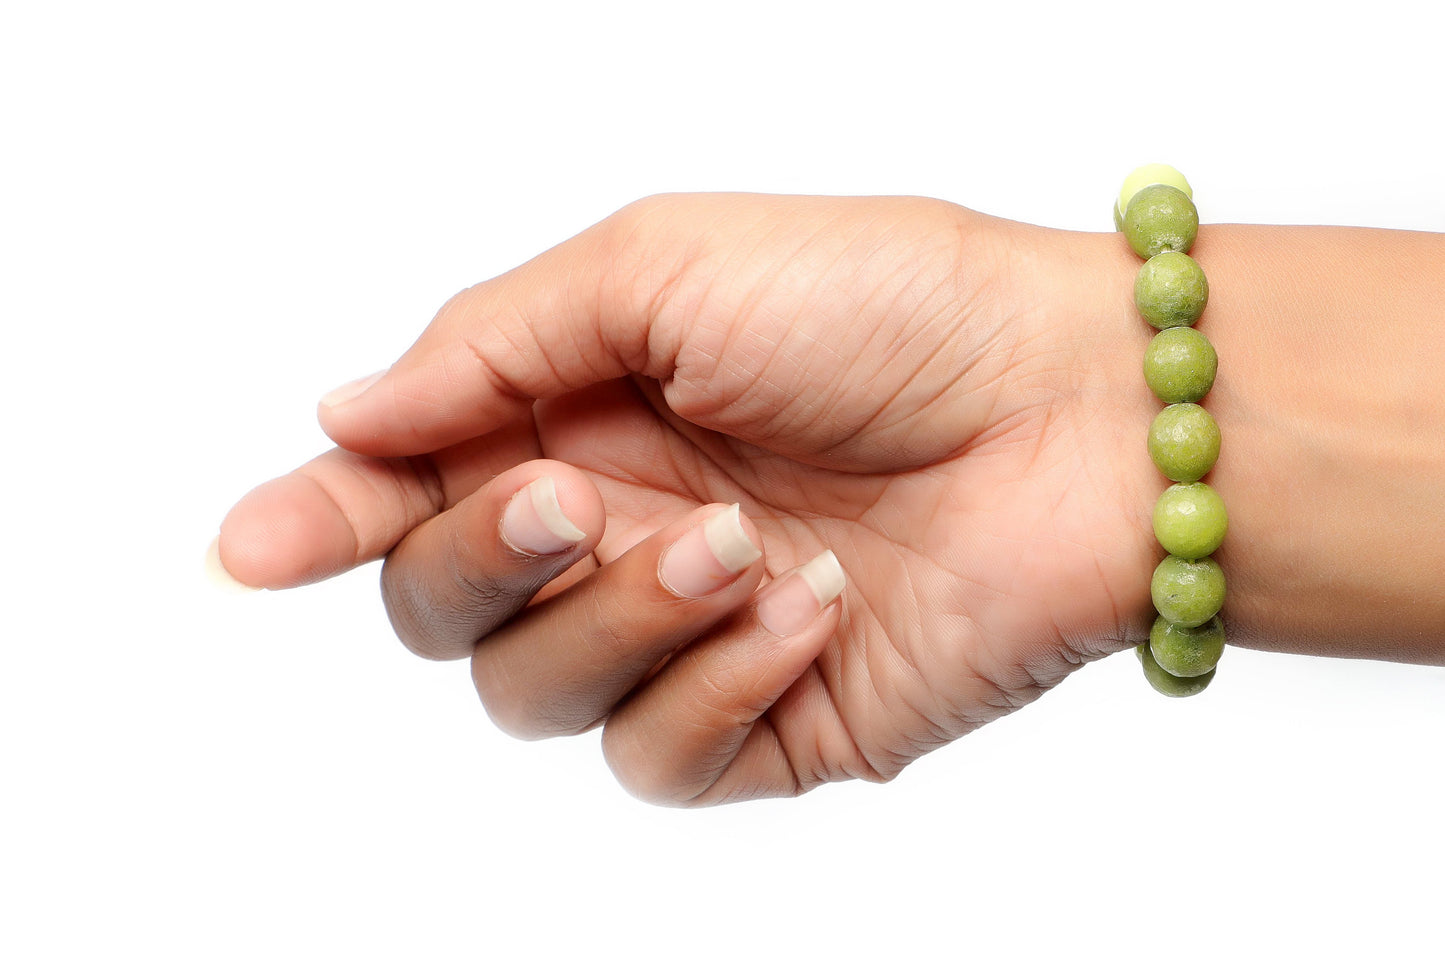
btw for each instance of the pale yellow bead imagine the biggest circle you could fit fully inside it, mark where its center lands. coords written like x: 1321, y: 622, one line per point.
x: 1142, y: 177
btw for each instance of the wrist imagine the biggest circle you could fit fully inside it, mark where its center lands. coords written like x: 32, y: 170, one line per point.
x: 1334, y: 431
x: 1334, y: 434
x: 1332, y: 437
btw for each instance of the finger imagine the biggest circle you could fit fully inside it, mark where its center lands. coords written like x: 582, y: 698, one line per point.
x: 556, y: 323
x: 560, y: 666
x: 459, y: 575
x: 696, y: 733
x: 341, y: 509
x: 592, y: 309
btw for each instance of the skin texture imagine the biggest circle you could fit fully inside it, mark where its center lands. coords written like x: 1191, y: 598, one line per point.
x: 952, y: 403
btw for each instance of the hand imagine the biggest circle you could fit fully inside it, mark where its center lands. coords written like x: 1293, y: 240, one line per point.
x: 949, y: 402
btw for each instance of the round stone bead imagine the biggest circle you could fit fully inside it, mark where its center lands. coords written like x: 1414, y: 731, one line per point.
x: 1184, y: 652
x: 1179, y: 365
x: 1171, y: 290
x: 1189, y: 520
x: 1184, y: 442
x: 1142, y: 177
x: 1160, y: 218
x: 1170, y: 685
x: 1186, y: 592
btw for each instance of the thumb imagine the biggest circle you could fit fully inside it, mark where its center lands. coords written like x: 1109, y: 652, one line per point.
x: 573, y: 316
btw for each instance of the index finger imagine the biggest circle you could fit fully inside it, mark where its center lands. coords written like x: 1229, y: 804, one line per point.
x: 569, y: 318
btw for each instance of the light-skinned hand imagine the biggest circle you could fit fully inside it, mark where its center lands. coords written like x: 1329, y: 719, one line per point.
x: 949, y: 403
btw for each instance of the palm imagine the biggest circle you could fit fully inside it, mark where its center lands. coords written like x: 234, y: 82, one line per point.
x: 985, y: 554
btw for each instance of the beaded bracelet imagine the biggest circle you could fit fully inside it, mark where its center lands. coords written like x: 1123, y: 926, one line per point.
x: 1157, y: 216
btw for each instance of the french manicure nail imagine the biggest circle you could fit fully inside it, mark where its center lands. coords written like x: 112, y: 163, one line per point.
x: 350, y: 391
x: 216, y: 571
x: 708, y: 556
x: 791, y: 602
x: 534, y: 524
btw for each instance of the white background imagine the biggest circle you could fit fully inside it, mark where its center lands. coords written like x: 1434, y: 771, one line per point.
x: 212, y: 213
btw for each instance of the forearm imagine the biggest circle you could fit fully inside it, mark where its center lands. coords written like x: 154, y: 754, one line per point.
x: 1331, y: 400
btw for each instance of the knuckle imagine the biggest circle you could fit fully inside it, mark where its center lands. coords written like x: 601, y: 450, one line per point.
x: 645, y: 252
x: 609, y: 617
x: 626, y: 239
x: 499, y: 699
x: 726, y: 692
x: 638, y: 768
x: 402, y: 599
x: 461, y: 305
x: 527, y: 712
x: 441, y: 608
x: 644, y: 210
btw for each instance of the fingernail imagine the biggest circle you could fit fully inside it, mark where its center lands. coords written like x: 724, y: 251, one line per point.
x: 216, y: 571
x: 794, y: 600
x: 350, y: 391
x: 533, y: 522
x: 708, y: 556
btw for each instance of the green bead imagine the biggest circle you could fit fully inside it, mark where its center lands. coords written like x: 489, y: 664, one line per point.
x: 1184, y: 442
x: 1184, y: 652
x: 1160, y: 218
x: 1186, y: 592
x: 1179, y: 365
x: 1141, y: 177
x: 1170, y: 685
x: 1171, y: 290
x: 1189, y: 520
